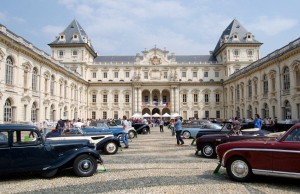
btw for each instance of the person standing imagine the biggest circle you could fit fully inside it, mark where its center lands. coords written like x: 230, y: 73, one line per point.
x: 236, y: 126
x: 178, y: 129
x: 161, y: 125
x: 257, y: 122
x: 125, y: 125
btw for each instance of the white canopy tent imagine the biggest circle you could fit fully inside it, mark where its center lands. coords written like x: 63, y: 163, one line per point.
x: 166, y: 115
x: 137, y: 115
x: 146, y: 115
x: 175, y: 115
x: 156, y: 115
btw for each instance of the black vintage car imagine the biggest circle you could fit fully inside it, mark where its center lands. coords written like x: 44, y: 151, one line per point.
x: 23, y: 149
x: 141, y: 128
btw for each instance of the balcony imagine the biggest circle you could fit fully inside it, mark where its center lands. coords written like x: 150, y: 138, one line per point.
x: 156, y: 104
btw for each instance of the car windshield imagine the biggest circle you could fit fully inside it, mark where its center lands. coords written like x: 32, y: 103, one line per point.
x: 99, y: 124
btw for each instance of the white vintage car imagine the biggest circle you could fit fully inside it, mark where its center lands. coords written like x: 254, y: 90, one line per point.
x: 105, y: 142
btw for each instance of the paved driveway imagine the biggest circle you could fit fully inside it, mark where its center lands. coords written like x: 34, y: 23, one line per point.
x: 152, y: 164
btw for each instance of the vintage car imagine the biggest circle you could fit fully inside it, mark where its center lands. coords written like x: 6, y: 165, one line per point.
x: 207, y: 143
x: 141, y: 128
x: 191, y: 129
x: 269, y: 156
x: 226, y: 128
x: 105, y: 142
x: 108, y: 126
x: 23, y: 149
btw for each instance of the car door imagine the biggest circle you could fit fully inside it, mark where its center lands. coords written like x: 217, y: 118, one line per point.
x: 5, y: 163
x: 29, y: 153
x: 286, y: 153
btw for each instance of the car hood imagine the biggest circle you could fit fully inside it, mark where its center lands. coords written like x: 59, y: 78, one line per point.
x: 63, y: 145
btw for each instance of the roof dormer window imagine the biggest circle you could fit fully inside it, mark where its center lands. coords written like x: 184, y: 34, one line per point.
x: 62, y: 37
x: 75, y: 36
x: 248, y: 36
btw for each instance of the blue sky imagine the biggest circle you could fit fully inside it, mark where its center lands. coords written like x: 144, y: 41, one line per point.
x: 126, y: 27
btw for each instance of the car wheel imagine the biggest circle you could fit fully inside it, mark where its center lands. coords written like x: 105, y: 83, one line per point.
x: 49, y: 173
x: 238, y: 169
x: 145, y: 130
x: 208, y: 151
x: 119, y: 137
x: 85, y: 165
x: 131, y: 134
x: 111, y: 148
x: 186, y: 134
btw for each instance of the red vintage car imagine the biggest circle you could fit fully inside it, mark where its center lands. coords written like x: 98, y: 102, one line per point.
x: 272, y: 157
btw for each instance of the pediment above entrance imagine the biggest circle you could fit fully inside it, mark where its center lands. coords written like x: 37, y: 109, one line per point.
x: 155, y: 57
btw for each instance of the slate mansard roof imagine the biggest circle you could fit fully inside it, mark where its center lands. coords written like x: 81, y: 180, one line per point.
x: 227, y: 36
x: 73, y: 28
x: 178, y: 58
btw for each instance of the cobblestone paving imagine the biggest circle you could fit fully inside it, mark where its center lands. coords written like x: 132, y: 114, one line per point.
x: 152, y: 164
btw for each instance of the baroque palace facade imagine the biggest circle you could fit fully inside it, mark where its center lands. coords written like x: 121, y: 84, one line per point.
x: 75, y: 82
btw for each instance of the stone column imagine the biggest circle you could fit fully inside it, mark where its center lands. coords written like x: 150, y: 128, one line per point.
x: 177, y: 100
x: 172, y: 100
x: 135, y: 100
x: 139, y: 100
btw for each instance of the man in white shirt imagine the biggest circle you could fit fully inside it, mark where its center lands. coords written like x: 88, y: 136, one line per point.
x: 126, y: 126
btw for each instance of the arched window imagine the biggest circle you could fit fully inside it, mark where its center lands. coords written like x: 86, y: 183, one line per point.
x: 34, y: 79
x: 265, y: 85
x: 266, y: 111
x: 34, y: 112
x: 9, y: 71
x: 297, y: 73
x: 238, y: 112
x: 52, y: 113
x: 286, y: 79
x: 238, y: 92
x: 250, y: 89
x: 65, y: 111
x: 52, y: 85
x: 250, y: 112
x: 7, y: 111
x: 287, y: 110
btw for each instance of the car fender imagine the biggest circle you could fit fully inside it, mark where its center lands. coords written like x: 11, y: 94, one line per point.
x: 100, y: 145
x: 231, y: 153
x: 72, y: 154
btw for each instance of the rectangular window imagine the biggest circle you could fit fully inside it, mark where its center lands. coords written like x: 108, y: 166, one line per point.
x: 183, y: 74
x: 127, y: 74
x: 116, y: 74
x: 104, y: 115
x: 217, y: 74
x: 218, y: 114
x: 104, y: 74
x: 206, y: 99
x: 116, y: 115
x: 60, y: 54
x: 93, y: 115
x: 250, y: 52
x: 116, y: 98
x: 74, y: 53
x: 206, y: 114
x: 146, y: 98
x: 196, y: 114
x: 94, y: 98
x: 94, y: 75
x: 195, y: 98
x: 236, y: 53
x: 145, y: 75
x: 217, y: 98
x: 205, y: 74
x: 183, y: 97
x: 165, y: 75
x: 105, y: 98
x: 195, y: 74
x: 127, y: 98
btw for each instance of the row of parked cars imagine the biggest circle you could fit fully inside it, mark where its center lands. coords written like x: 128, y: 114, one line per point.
x: 253, y: 152
x: 23, y: 148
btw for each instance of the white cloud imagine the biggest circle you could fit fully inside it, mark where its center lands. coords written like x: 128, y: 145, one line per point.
x: 273, y: 26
